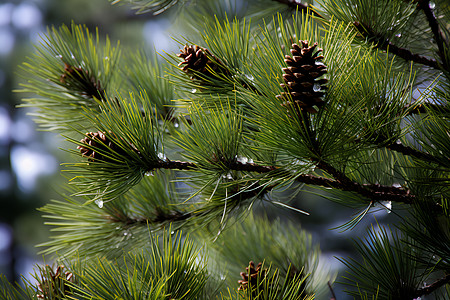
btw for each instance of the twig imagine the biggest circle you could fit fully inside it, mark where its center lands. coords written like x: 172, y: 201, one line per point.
x: 293, y: 4
x: 384, y: 44
x: 424, y: 5
x: 409, y: 151
x: 160, y: 217
x: 399, y: 147
x: 432, y: 287
x: 374, y: 192
x: 176, y: 164
x: 333, y: 295
x: 408, y: 55
x: 300, y: 6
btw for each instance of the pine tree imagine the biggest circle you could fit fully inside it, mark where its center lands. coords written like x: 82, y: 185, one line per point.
x: 172, y: 153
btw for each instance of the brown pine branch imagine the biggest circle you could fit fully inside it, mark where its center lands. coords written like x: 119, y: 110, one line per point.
x: 406, y: 54
x: 333, y: 295
x: 293, y: 4
x: 386, y: 45
x: 159, y: 217
x: 408, y: 151
x: 298, y: 5
x: 373, y: 192
x: 432, y: 287
x: 424, y: 5
x: 176, y: 165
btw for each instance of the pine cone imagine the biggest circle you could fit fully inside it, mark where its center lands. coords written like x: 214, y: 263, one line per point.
x: 198, y: 60
x: 302, y: 79
x: 254, y: 276
x: 97, y: 140
x: 81, y: 81
x: 53, y: 285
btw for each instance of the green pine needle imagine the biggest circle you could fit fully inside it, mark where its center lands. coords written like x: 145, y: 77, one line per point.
x: 70, y: 68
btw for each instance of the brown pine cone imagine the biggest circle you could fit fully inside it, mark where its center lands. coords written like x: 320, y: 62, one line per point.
x: 54, y: 285
x: 305, y: 89
x: 253, y: 276
x: 98, y: 140
x: 199, y: 61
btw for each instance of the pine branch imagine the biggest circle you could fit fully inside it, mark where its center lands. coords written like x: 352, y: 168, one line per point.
x: 406, y: 54
x: 333, y: 295
x: 293, y: 4
x: 397, y: 146
x: 386, y: 45
x: 424, y: 5
x: 176, y: 165
x: 374, y: 192
x: 297, y: 5
x: 432, y: 287
x: 409, y: 151
x: 162, y: 216
x: 405, y: 150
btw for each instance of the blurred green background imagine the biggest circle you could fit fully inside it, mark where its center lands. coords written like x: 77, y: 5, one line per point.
x: 30, y: 160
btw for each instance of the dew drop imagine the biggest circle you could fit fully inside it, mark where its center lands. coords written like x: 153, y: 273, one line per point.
x: 99, y: 203
x: 176, y: 125
x: 250, y: 77
x: 385, y: 204
x: 242, y: 159
x: 398, y: 35
x: 193, y: 91
x: 149, y: 173
x: 388, y: 205
x: 316, y: 87
x: 162, y: 156
x: 172, y: 232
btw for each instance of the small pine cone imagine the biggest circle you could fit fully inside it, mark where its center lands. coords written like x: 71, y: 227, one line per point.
x: 54, y: 285
x: 79, y: 80
x: 253, y: 276
x: 97, y: 140
x: 301, y: 79
x: 199, y: 60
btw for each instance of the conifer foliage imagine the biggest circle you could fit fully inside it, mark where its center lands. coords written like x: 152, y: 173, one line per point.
x: 265, y: 101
